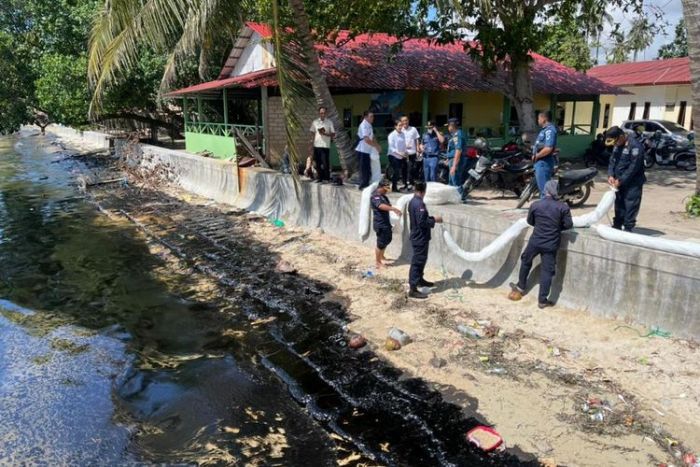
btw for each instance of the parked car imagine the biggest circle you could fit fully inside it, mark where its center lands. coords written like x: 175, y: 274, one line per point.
x: 667, y: 128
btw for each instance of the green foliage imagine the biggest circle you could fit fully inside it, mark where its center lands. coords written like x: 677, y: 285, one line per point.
x: 62, y: 88
x: 692, y: 207
x: 566, y: 43
x: 679, y: 46
x: 14, y: 92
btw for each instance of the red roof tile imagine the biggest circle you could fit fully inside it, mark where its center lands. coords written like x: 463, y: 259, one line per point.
x: 368, y: 62
x: 249, y: 80
x: 670, y: 71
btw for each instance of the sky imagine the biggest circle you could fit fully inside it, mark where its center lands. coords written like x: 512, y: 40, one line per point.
x: 672, y: 11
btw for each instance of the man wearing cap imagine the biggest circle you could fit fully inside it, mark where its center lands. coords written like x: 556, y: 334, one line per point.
x: 549, y: 217
x: 421, y: 224
x: 381, y: 207
x: 456, y: 145
x: 626, y: 173
x: 543, y: 150
x: 430, y: 148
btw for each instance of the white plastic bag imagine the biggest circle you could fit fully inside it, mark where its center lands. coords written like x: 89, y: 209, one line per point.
x: 437, y: 194
x: 661, y: 244
x: 375, y: 166
x: 365, y: 210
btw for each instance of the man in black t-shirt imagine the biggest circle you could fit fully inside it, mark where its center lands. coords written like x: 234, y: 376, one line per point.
x: 381, y: 207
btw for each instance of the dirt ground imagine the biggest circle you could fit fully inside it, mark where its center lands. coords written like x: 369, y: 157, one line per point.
x: 663, y: 202
x: 533, y: 378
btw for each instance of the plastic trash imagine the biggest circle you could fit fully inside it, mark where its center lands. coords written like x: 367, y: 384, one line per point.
x: 392, y: 344
x: 485, y: 438
x: 403, y: 338
x: 468, y: 331
x: 276, y: 222
x: 357, y: 342
x: 368, y: 274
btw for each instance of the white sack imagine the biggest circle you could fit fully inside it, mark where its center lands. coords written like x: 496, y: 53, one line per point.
x: 654, y: 243
x: 438, y: 193
x: 375, y: 166
x: 600, y: 211
x: 365, y: 211
x: 502, y: 241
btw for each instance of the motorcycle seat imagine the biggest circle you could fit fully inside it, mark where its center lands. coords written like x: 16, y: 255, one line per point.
x: 576, y: 176
x: 521, y: 166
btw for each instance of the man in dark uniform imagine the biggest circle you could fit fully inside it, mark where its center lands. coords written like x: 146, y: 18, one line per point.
x: 421, y: 223
x: 456, y: 153
x: 549, y: 217
x: 626, y: 173
x: 543, y: 150
x: 381, y: 207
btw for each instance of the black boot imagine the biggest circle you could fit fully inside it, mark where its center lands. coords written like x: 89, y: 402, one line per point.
x: 415, y: 293
x: 424, y: 283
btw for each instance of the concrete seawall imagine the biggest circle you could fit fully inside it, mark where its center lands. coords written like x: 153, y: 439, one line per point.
x: 607, y: 279
x: 94, y: 139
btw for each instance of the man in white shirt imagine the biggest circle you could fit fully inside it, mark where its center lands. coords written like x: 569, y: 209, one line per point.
x: 412, y: 143
x: 365, y: 143
x: 398, y: 157
x: 323, y: 132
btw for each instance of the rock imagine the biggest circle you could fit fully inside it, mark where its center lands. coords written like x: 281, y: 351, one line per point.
x: 491, y: 331
x: 357, y: 342
x: 392, y: 344
x: 397, y: 334
x: 283, y: 267
x: 437, y: 362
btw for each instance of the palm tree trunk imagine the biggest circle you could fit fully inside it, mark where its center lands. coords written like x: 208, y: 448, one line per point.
x: 320, y: 87
x: 691, y: 14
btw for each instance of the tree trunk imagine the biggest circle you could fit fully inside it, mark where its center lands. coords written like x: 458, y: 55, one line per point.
x: 691, y: 14
x: 523, y: 98
x: 320, y: 87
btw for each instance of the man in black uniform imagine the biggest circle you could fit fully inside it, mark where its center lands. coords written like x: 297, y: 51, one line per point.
x: 549, y: 217
x: 626, y: 173
x: 421, y: 223
x: 381, y: 207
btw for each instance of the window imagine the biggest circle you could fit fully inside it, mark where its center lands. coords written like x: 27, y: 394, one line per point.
x: 456, y: 111
x: 606, y: 116
x: 670, y: 106
x: 681, y: 113
x: 633, y: 111
x: 651, y: 127
x: 647, y: 107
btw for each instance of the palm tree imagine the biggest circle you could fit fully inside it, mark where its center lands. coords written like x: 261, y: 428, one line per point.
x: 691, y: 13
x: 618, y: 50
x: 595, y: 16
x: 640, y: 36
x: 187, y: 27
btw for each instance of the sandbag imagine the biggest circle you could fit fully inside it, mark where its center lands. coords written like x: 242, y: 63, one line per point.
x: 375, y: 166
x: 661, y: 244
x: 438, y: 193
x: 502, y: 241
x: 600, y: 211
x: 365, y: 210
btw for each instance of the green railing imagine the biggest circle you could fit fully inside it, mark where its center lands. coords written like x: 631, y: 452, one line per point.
x: 220, y: 129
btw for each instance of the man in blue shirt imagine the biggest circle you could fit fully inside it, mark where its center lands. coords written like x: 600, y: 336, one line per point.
x: 430, y: 147
x: 626, y: 173
x: 543, y: 150
x: 456, y: 153
x: 549, y: 217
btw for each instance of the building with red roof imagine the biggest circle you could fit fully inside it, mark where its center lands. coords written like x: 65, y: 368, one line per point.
x: 421, y: 79
x: 656, y: 89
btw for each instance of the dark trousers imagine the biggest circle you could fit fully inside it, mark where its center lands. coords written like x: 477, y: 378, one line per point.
x: 548, y: 260
x: 627, y: 204
x: 418, y: 261
x: 365, y: 165
x: 399, y: 168
x: 414, y: 169
x: 322, y: 159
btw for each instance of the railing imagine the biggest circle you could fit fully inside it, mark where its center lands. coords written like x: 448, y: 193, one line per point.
x: 220, y: 129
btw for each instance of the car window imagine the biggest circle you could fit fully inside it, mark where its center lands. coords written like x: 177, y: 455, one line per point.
x: 652, y: 127
x: 674, y: 128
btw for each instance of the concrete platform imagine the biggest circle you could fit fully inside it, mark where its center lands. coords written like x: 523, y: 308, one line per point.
x: 608, y: 279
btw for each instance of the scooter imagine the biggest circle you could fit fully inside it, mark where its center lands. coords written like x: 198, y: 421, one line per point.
x: 663, y: 150
x: 574, y: 186
x: 507, y: 170
x: 597, y: 154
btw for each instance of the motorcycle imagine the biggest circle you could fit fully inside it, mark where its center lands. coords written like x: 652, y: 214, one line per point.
x: 597, y: 154
x: 574, y: 186
x: 664, y: 150
x: 506, y: 170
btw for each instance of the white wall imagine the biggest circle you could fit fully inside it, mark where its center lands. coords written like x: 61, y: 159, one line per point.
x: 658, y: 96
x: 255, y: 57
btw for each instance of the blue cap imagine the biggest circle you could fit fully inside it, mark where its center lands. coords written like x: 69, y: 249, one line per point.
x: 454, y: 121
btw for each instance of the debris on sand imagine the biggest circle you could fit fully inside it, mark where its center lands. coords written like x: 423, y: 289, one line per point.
x: 357, y: 342
x: 284, y: 267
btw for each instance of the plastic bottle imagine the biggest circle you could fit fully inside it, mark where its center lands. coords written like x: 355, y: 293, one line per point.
x: 468, y: 331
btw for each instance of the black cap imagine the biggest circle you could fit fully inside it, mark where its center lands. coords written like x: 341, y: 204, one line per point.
x: 454, y: 121
x: 384, y: 182
x: 614, y: 132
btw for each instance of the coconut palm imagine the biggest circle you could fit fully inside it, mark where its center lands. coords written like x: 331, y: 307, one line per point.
x: 640, y: 36
x: 595, y: 17
x: 691, y: 13
x: 184, y: 28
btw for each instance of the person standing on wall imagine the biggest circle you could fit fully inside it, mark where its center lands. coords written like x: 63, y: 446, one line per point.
x: 365, y: 136
x: 626, y: 173
x: 412, y: 141
x: 456, y: 146
x: 381, y: 207
x: 430, y: 148
x: 543, y: 150
x: 549, y: 217
x: 323, y: 132
x: 421, y: 224
x: 398, y: 157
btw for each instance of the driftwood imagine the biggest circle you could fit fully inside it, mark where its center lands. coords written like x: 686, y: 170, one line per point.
x: 249, y: 147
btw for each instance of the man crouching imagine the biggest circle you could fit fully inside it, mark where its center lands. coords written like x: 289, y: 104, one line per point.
x: 549, y: 217
x: 381, y: 207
